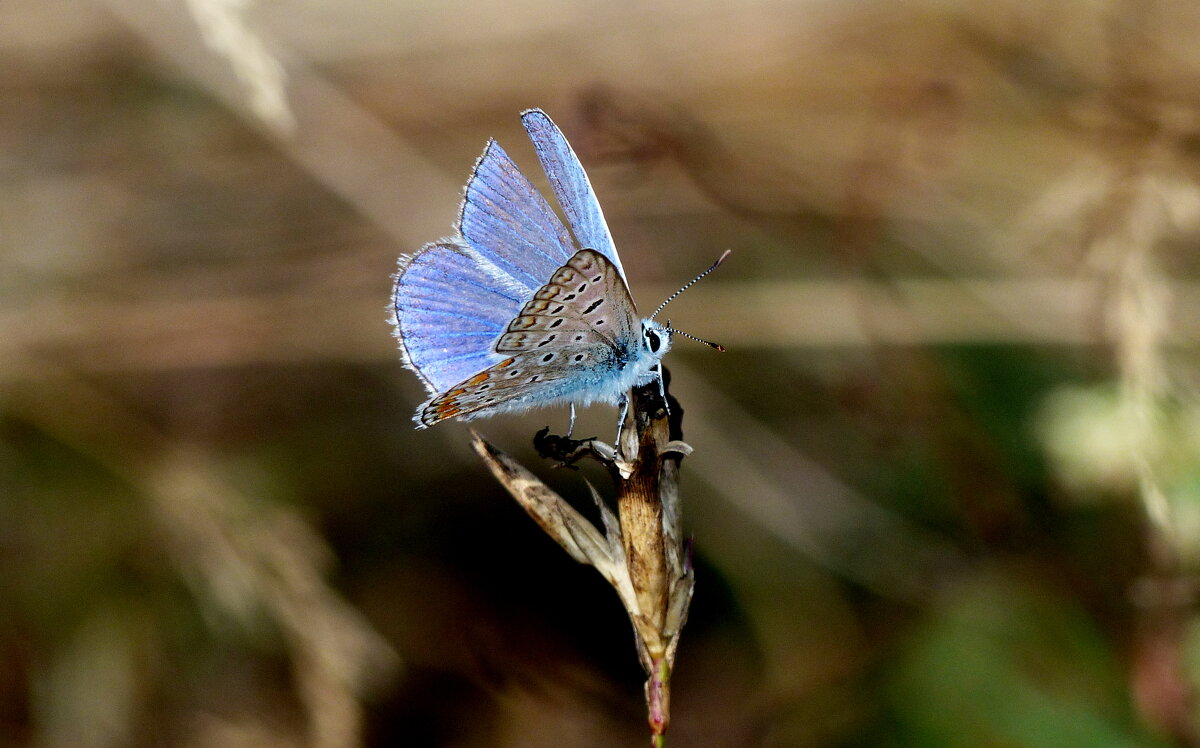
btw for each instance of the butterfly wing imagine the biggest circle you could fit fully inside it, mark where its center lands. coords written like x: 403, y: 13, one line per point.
x: 571, y: 342
x: 453, y: 298
x: 473, y: 308
x: 571, y: 186
x: 447, y: 314
x: 585, y: 300
x: 509, y: 227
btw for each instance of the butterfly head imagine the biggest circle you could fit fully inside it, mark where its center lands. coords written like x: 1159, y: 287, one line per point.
x: 656, y: 338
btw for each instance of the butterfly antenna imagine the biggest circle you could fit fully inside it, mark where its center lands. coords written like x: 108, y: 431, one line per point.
x: 673, y: 331
x: 688, y: 285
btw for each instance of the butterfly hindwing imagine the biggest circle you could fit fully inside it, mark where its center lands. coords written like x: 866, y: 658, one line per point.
x: 576, y: 333
x: 447, y: 314
x: 517, y: 382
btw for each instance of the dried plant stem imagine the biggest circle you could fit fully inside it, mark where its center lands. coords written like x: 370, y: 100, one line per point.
x: 653, y: 552
x: 639, y: 551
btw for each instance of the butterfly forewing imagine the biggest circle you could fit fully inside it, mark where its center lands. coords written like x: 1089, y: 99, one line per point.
x: 508, y: 226
x: 577, y: 329
x: 571, y: 185
x: 586, y: 299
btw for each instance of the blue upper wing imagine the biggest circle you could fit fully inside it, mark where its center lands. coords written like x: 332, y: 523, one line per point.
x: 454, y: 298
x: 448, y: 314
x: 509, y: 227
x: 571, y: 186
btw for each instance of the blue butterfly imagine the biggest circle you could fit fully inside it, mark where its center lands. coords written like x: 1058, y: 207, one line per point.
x: 514, y: 311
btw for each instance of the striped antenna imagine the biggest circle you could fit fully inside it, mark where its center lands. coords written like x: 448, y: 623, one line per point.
x: 688, y: 285
x: 672, y: 330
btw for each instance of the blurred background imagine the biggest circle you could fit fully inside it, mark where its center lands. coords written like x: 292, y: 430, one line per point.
x: 946, y: 487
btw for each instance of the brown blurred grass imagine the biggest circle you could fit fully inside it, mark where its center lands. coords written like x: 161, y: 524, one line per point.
x: 942, y: 216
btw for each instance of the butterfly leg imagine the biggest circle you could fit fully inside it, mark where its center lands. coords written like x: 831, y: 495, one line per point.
x: 621, y: 418
x: 571, y: 427
x: 662, y: 388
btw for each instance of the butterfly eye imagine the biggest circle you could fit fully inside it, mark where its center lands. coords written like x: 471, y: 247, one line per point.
x: 652, y: 341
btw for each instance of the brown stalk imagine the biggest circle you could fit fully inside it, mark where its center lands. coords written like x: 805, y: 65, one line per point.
x: 640, y: 549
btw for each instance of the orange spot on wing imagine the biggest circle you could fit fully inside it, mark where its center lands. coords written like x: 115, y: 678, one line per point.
x: 504, y: 363
x: 478, y: 379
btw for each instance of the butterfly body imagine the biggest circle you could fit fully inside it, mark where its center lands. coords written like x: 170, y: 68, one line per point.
x: 515, y: 311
